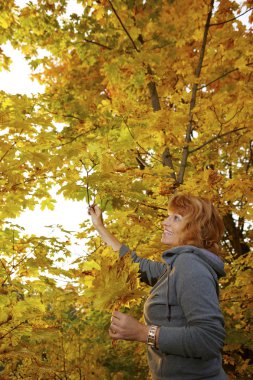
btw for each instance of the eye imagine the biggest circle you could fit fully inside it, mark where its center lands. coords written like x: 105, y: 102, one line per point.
x: 177, y: 218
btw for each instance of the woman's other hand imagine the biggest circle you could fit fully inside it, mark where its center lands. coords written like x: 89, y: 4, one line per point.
x: 126, y: 327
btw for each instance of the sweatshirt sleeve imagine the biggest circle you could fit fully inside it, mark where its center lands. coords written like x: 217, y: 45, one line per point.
x: 203, y: 335
x: 149, y: 270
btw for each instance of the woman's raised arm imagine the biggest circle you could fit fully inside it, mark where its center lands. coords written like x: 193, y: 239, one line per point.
x: 97, y: 220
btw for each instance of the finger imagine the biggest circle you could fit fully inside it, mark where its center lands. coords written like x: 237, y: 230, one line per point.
x: 113, y: 329
x: 113, y: 334
x: 97, y: 209
x: 117, y: 314
x: 114, y: 326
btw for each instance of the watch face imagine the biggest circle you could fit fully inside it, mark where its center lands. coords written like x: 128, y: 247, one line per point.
x: 151, y: 336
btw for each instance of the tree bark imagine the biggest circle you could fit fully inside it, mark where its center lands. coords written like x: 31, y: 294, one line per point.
x: 235, y: 236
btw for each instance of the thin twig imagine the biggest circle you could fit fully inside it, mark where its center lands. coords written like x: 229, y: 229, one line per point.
x: 227, y: 121
x: 87, y: 180
x: 231, y: 19
x: 123, y: 26
x: 67, y: 115
x: 151, y: 206
x: 9, y: 318
x: 219, y: 136
x: 27, y: 180
x: 98, y: 44
x: 75, y: 138
x: 149, y: 154
x: 222, y: 76
x: 87, y: 183
x: 14, y: 328
x: 25, y: 257
x: 12, y: 146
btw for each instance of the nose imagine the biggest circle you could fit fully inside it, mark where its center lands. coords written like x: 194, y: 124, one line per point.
x: 166, y: 221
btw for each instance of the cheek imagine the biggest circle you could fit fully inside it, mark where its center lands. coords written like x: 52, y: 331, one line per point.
x: 178, y: 229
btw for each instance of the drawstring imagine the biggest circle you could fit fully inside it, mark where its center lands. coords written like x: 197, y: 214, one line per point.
x: 169, y: 268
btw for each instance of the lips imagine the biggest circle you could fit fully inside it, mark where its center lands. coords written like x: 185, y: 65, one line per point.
x: 167, y: 232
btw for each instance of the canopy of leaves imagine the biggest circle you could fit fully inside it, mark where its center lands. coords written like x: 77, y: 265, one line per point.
x: 153, y: 98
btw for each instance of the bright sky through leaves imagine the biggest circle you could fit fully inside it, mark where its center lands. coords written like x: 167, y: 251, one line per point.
x: 18, y: 81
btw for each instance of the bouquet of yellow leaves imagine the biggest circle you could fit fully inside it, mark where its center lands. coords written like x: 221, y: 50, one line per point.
x: 115, y: 283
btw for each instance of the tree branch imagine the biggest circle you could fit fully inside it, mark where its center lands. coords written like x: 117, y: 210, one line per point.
x: 75, y: 138
x: 185, y: 152
x: 92, y: 42
x: 87, y: 181
x: 151, y: 206
x: 219, y: 136
x: 250, y: 162
x: 222, y: 76
x: 14, y: 328
x: 6, y: 271
x: 123, y: 26
x: 98, y: 44
x: 167, y: 161
x: 149, y: 154
x: 33, y: 178
x: 153, y: 92
x: 9, y: 318
x: 166, y: 156
x: 227, y: 121
x: 12, y: 146
x: 151, y: 86
x: 231, y: 19
x: 67, y: 115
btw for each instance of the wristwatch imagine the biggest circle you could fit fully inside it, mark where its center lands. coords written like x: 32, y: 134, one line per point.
x: 151, y: 339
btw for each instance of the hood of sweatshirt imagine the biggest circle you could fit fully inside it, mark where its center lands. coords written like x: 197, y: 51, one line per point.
x: 209, y: 257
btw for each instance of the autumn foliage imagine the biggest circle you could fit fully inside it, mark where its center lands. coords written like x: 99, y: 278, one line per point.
x: 142, y: 99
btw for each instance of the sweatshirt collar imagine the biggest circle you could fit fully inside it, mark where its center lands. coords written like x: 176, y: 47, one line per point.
x: 209, y: 257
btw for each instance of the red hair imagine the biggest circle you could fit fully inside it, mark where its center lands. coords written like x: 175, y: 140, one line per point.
x: 203, y: 226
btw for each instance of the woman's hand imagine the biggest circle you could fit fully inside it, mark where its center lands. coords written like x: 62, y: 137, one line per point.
x: 96, y: 216
x: 125, y: 327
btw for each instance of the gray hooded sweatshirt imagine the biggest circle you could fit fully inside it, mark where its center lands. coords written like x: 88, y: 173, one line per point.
x: 184, y: 302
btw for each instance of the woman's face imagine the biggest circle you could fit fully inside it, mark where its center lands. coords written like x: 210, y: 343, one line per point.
x: 172, y: 228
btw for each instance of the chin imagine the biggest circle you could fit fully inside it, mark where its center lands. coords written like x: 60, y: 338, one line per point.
x: 165, y: 241
x: 169, y: 243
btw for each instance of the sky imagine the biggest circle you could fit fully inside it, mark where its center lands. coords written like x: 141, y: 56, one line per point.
x: 67, y: 213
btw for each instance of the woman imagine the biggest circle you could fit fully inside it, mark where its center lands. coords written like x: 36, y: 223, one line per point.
x: 184, y: 329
